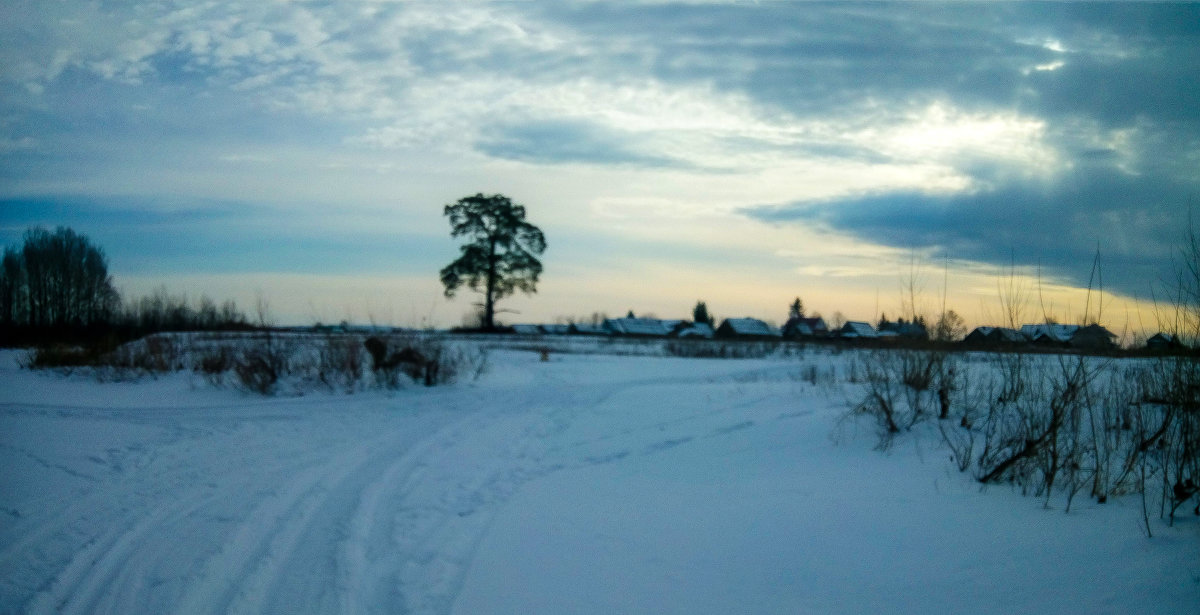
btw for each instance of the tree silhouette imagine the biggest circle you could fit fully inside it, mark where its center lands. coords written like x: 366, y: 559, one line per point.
x: 500, y: 255
x: 796, y: 309
x: 55, y: 280
x: 700, y: 314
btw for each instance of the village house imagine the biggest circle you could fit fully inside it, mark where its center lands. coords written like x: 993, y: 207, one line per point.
x: 1163, y: 341
x: 694, y: 330
x: 1093, y: 337
x: 1049, y: 334
x: 746, y: 328
x: 805, y: 327
x: 901, y: 329
x: 857, y: 330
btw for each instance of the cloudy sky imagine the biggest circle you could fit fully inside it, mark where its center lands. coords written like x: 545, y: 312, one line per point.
x: 740, y: 153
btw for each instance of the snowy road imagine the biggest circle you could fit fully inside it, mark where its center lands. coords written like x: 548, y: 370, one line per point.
x: 590, y: 484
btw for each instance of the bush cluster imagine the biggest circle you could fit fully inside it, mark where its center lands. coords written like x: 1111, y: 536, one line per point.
x: 1051, y: 425
x: 268, y: 363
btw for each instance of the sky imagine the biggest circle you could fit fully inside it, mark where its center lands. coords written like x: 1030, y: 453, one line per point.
x: 867, y: 158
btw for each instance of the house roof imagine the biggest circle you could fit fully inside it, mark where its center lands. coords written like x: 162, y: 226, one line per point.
x: 805, y: 326
x: 1095, y: 329
x: 638, y: 326
x: 979, y: 332
x: 856, y: 328
x: 750, y: 327
x: 527, y: 329
x: 997, y: 334
x: 1052, y: 332
x: 699, y: 329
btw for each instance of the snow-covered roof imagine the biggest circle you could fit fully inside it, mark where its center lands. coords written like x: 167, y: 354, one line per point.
x: 637, y: 326
x: 856, y: 328
x: 556, y: 329
x: 984, y: 331
x: 699, y: 329
x: 750, y: 327
x: 527, y: 329
x: 805, y: 326
x: 997, y: 335
x: 1057, y: 333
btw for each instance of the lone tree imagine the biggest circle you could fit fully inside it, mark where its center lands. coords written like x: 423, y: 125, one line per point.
x: 501, y: 252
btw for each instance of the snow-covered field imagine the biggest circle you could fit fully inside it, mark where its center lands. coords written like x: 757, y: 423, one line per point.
x: 588, y: 484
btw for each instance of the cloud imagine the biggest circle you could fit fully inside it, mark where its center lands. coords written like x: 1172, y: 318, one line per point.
x: 556, y: 142
x: 1132, y: 221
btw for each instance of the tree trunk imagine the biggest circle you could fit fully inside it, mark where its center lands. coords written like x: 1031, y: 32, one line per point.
x: 489, y: 301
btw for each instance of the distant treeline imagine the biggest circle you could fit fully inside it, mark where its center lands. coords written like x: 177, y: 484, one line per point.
x: 55, y: 287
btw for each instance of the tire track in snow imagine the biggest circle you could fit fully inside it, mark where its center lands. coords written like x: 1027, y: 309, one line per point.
x: 94, y: 568
x: 109, y: 572
x: 415, y: 530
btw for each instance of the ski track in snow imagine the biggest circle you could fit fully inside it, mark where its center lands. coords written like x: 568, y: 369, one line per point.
x: 283, y: 507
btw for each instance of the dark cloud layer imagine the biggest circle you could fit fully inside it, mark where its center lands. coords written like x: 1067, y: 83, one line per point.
x: 1136, y: 225
x: 1123, y: 60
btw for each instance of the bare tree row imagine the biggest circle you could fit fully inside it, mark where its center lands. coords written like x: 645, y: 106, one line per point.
x: 56, y: 279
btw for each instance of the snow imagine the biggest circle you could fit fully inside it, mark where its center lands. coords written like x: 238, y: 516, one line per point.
x: 591, y: 483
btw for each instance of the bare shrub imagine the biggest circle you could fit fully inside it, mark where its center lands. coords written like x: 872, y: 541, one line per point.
x: 1170, y: 438
x: 214, y: 363
x: 258, y: 370
x: 1025, y: 441
x: 268, y: 363
x: 425, y: 359
x: 883, y: 397
x: 60, y: 356
x: 340, y: 363
x: 449, y: 363
x: 261, y: 362
x: 902, y: 386
x: 1070, y: 424
x: 151, y: 354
